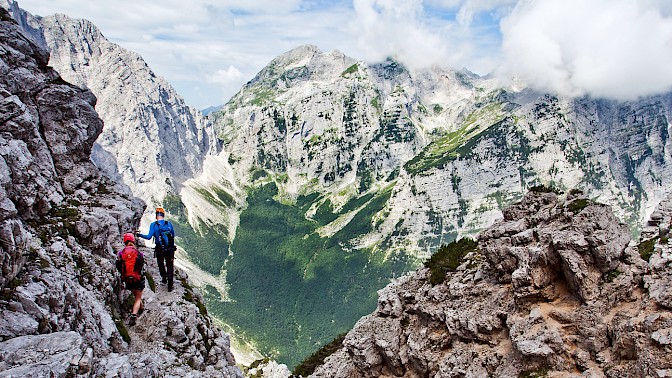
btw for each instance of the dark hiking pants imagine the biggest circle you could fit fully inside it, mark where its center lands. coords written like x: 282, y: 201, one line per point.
x: 165, y: 259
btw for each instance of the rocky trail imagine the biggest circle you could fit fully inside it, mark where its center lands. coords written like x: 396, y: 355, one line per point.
x: 174, y: 320
x: 156, y: 298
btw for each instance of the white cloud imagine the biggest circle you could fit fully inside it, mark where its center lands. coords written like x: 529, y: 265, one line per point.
x: 393, y: 28
x: 231, y: 74
x: 608, y: 48
x: 605, y: 48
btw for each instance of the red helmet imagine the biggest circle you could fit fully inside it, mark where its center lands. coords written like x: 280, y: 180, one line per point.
x: 129, y: 237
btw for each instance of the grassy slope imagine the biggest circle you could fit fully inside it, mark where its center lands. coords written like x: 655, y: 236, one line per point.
x: 291, y: 290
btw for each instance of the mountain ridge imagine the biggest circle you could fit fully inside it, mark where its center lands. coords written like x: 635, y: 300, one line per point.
x: 552, y: 289
x: 152, y: 140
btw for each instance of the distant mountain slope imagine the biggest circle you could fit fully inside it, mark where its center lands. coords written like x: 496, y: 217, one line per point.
x: 455, y: 147
x: 388, y: 163
x: 152, y: 140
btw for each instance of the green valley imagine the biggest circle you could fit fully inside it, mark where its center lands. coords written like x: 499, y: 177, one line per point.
x: 291, y: 290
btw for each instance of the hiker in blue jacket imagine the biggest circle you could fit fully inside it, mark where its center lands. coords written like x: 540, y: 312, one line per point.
x: 163, y: 233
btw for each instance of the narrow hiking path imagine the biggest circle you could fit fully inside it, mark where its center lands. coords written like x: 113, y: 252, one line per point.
x: 157, y: 299
x: 174, y: 326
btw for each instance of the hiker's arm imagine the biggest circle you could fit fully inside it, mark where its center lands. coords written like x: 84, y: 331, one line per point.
x: 149, y: 234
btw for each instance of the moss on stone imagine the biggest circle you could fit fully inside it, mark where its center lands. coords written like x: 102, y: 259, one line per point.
x: 646, y: 248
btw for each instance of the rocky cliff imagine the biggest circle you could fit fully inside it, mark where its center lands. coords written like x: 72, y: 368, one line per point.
x: 60, y: 221
x: 152, y: 141
x: 379, y: 160
x: 455, y: 148
x: 552, y: 289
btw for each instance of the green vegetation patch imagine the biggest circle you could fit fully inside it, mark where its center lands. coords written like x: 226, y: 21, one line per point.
x: 150, y: 280
x: 65, y: 212
x: 457, y: 143
x: 578, y: 204
x: 350, y: 70
x: 221, y: 199
x: 262, y: 96
x: 8, y: 291
x: 539, y: 373
x: 292, y: 291
x: 123, y: 331
x: 646, y: 248
x: 190, y: 296
x: 259, y: 174
x: 545, y: 189
x: 448, y: 258
x: 174, y: 206
x: 611, y: 275
x: 325, y: 213
x: 307, y: 366
x: 208, y: 247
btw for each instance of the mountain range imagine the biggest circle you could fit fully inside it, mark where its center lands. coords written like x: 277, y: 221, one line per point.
x: 325, y: 176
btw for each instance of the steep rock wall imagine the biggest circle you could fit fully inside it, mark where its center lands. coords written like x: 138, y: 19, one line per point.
x: 152, y: 141
x: 61, y: 310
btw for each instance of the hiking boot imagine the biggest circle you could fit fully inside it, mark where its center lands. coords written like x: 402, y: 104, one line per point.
x: 164, y: 280
x: 170, y: 287
x: 131, y: 321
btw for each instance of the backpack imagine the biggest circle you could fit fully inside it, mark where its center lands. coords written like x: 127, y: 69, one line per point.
x: 165, y: 237
x: 132, y: 262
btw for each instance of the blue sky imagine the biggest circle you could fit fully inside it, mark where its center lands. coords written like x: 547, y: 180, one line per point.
x: 207, y: 49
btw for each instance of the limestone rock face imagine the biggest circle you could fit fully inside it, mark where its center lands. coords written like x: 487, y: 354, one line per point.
x: 554, y: 286
x: 152, y: 141
x: 453, y: 148
x: 62, y: 311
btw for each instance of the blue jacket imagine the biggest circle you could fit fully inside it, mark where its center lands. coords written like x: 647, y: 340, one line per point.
x: 154, y: 231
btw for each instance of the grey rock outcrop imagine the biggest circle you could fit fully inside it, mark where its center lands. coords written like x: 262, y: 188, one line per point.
x: 152, y: 141
x: 553, y: 288
x: 60, y: 223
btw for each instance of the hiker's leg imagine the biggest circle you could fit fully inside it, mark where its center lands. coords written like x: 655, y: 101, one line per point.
x: 170, y: 259
x: 160, y: 262
x: 138, y: 300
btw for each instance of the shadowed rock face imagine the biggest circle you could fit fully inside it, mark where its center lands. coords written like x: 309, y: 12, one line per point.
x: 553, y: 287
x: 60, y: 224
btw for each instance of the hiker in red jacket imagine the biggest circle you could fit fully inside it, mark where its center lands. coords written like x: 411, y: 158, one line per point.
x: 130, y: 264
